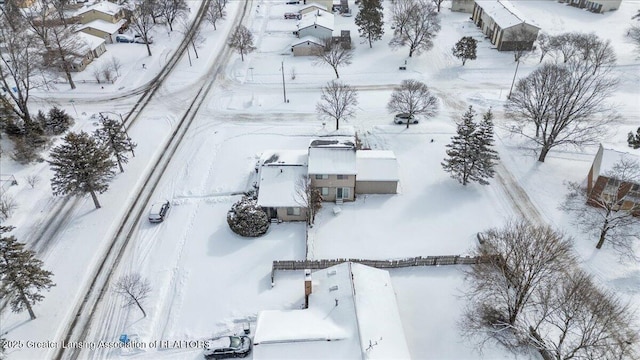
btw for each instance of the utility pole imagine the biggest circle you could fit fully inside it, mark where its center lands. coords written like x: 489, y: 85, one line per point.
x: 284, y: 90
x: 514, y: 78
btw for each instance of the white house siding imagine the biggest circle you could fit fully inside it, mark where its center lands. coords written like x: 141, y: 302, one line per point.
x: 376, y: 187
x: 282, y: 214
x: 317, y: 31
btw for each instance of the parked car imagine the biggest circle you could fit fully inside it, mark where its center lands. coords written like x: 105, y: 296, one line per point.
x: 224, y: 347
x: 140, y: 40
x: 293, y: 2
x: 158, y: 211
x: 403, y: 118
x: 124, y: 38
x: 292, y: 16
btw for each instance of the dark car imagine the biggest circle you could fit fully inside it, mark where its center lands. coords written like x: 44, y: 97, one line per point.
x: 158, y: 212
x: 404, y: 118
x: 225, y: 347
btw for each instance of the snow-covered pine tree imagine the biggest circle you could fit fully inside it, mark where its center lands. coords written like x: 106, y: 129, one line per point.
x: 465, y: 49
x: 112, y: 135
x: 81, y: 165
x: 634, y: 140
x: 486, y: 155
x: 369, y: 20
x: 22, y: 275
x: 462, y: 153
x: 58, y: 121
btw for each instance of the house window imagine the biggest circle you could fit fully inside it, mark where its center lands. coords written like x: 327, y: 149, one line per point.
x: 342, y: 177
x: 325, y: 191
x: 611, y: 189
x: 342, y: 193
x: 322, y: 177
x: 295, y: 211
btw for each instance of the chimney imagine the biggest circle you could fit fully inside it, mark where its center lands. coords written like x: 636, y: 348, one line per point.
x: 307, y: 287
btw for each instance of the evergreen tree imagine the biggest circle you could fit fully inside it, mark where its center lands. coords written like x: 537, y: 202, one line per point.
x: 112, y: 135
x: 634, y: 140
x: 486, y: 155
x: 465, y: 49
x: 81, y: 165
x: 58, y: 121
x: 369, y: 20
x: 22, y: 275
x: 471, y: 156
x: 246, y: 218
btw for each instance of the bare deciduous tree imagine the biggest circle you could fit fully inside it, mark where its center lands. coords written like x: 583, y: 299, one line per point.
x: 418, y: 29
x: 20, y: 62
x: 173, y: 10
x: 134, y: 288
x: 565, y: 45
x: 414, y: 98
x: 338, y: 101
x: 333, y: 55
x: 97, y: 74
x: 7, y: 205
x: 116, y: 65
x: 438, y: 3
x: 66, y: 47
x: 143, y: 20
x: 577, y: 319
x: 610, y: 215
x: 521, y: 42
x: 401, y: 12
x: 544, y: 44
x: 107, y: 72
x: 567, y: 104
x: 242, y: 41
x: 215, y: 11
x: 308, y: 197
x: 33, y: 180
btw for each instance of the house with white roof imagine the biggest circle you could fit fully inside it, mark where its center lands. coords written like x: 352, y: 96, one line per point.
x: 351, y: 313
x: 318, y: 24
x: 596, y: 6
x: 311, y: 7
x: 463, y: 5
x: 103, y: 29
x: 306, y: 46
x: 104, y: 10
x: 601, y: 181
x: 91, y: 47
x: 281, y: 173
x: 504, y: 25
x: 377, y: 172
x: 332, y: 168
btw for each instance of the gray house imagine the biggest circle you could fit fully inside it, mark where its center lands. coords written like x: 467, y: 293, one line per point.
x: 463, y: 5
x: 596, y: 6
x: 504, y: 25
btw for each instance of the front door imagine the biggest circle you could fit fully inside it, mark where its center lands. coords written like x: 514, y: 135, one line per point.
x: 339, y: 193
x: 342, y: 193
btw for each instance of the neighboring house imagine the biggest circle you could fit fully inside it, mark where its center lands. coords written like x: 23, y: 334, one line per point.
x: 325, y: 5
x: 307, y: 46
x: 332, y: 168
x: 95, y: 44
x: 377, y: 172
x: 280, y: 173
x: 104, y: 29
x: 318, y: 24
x: 351, y: 312
x: 596, y: 6
x: 104, y: 10
x: 311, y: 7
x: 463, y: 5
x: 506, y: 28
x: 600, y: 184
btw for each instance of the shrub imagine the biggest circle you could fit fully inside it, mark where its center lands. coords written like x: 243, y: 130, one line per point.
x: 246, y: 218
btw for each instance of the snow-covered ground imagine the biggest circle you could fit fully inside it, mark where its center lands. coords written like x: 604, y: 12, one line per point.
x: 205, y: 280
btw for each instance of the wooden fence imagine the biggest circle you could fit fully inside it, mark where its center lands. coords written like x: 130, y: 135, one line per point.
x: 381, y: 264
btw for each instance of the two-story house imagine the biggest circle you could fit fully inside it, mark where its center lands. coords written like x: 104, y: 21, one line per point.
x: 333, y: 169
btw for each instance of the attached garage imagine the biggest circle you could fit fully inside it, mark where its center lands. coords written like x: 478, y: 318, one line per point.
x: 307, y: 46
x: 377, y: 172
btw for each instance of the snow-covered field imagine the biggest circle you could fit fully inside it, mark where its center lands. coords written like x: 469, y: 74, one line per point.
x: 206, y: 281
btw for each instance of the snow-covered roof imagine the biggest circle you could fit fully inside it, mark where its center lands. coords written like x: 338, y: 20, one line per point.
x: 277, y: 187
x: 503, y: 12
x: 284, y: 157
x: 304, y: 39
x: 352, y: 313
x: 332, y: 156
x: 104, y: 26
x: 313, y: 5
x: 319, y: 17
x: 106, y: 7
x: 92, y: 42
x: 376, y: 165
x: 610, y: 157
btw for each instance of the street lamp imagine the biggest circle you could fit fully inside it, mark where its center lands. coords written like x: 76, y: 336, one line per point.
x: 74, y: 106
x: 514, y: 79
x: 122, y: 126
x: 284, y: 90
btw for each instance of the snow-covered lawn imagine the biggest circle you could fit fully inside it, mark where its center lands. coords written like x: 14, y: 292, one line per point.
x: 208, y: 281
